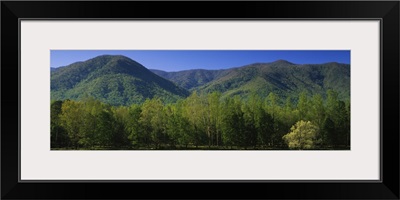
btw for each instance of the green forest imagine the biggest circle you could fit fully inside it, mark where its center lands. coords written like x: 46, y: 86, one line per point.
x: 204, y: 121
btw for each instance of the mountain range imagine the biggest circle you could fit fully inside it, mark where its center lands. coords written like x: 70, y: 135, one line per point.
x: 281, y: 77
x: 119, y: 80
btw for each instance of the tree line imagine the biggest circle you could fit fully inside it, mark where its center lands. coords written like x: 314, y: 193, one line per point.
x: 204, y: 121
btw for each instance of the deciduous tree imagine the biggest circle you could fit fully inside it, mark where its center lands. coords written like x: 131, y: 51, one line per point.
x: 302, y: 135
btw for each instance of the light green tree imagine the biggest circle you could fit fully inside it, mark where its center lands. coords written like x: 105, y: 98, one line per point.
x: 272, y: 104
x: 71, y: 120
x: 303, y: 106
x: 317, y: 115
x: 134, y: 127
x: 214, y: 116
x: 59, y: 136
x: 302, y: 135
x: 153, y: 120
x: 195, y: 112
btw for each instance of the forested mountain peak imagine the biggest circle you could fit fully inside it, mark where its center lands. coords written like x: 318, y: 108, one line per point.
x: 281, y: 61
x: 114, y: 79
x: 281, y: 77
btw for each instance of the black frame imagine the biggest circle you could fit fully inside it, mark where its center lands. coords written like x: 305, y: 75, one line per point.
x: 386, y: 11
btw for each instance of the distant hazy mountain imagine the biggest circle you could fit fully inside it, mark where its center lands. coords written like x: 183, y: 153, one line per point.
x: 281, y: 77
x: 117, y: 80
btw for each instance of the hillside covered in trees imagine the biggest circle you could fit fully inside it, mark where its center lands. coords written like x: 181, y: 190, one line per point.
x: 117, y: 80
x: 281, y: 77
x: 113, y: 102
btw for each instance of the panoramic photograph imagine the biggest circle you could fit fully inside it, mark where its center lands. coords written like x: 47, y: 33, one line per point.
x: 200, y: 100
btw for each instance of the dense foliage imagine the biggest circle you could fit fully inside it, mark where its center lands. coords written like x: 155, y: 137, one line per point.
x: 204, y: 121
x: 303, y: 135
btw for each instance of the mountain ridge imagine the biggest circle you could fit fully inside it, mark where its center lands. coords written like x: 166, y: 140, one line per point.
x: 119, y: 80
x: 268, y: 77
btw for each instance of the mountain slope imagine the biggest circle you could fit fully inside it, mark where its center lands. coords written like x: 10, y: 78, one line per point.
x: 281, y: 77
x: 190, y: 79
x: 117, y: 80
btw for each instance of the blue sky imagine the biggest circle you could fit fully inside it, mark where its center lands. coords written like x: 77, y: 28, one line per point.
x: 177, y: 60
